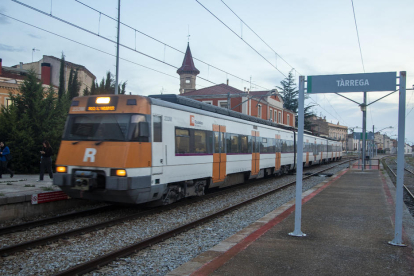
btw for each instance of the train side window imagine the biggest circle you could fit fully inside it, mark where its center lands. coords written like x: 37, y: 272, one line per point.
x: 157, y: 124
x: 200, y: 141
x: 234, y: 143
x: 244, y: 144
x: 249, y: 144
x: 217, y: 142
x: 182, y: 140
x: 135, y: 133
x: 278, y: 146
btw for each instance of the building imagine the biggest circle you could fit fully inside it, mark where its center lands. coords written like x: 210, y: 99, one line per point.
x: 267, y: 105
x: 10, y: 80
x: 48, y: 70
x: 382, y: 141
x: 321, y: 127
x: 353, y: 144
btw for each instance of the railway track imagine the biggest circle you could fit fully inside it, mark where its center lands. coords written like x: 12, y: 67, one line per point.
x: 408, y: 183
x: 6, y: 251
x: 60, y: 218
x: 131, y: 249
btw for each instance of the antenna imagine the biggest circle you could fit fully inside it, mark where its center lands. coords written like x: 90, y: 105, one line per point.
x: 34, y: 50
x: 188, y: 34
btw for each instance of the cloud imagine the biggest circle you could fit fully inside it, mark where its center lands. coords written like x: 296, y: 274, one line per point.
x: 8, y: 48
x: 3, y: 20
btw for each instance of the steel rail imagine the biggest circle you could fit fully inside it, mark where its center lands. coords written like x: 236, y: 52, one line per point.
x: 47, y: 240
x: 395, y: 176
x: 64, y: 217
x: 128, y: 250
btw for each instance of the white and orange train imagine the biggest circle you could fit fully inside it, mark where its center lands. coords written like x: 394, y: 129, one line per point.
x: 162, y: 148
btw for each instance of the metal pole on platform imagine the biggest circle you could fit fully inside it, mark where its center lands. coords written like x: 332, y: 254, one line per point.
x: 117, y: 49
x: 400, y: 164
x: 364, y: 128
x: 299, y: 167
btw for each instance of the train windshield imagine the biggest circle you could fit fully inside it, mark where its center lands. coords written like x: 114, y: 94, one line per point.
x: 103, y: 127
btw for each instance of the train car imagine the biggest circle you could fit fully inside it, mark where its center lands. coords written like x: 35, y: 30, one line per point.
x: 160, y: 149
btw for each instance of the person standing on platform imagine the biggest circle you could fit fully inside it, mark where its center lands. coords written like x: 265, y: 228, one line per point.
x: 4, y: 159
x: 46, y: 160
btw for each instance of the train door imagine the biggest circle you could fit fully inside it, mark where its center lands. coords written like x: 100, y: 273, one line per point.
x: 315, y: 151
x: 307, y: 148
x: 255, y: 153
x: 278, y: 160
x: 322, y: 150
x: 158, y: 159
x: 219, y: 155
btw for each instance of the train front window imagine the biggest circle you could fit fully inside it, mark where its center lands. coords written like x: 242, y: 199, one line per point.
x: 101, y: 127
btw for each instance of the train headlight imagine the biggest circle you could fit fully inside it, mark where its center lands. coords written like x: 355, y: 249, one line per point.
x: 117, y: 172
x: 103, y: 100
x: 61, y: 169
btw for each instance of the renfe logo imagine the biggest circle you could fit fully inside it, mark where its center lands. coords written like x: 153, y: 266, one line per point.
x: 194, y: 122
x: 89, y: 153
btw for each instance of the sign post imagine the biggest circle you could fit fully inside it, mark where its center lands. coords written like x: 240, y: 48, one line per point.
x: 299, y: 167
x: 367, y: 82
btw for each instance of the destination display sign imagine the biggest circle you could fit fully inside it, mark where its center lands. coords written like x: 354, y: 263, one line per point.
x: 367, y: 82
x: 102, y: 103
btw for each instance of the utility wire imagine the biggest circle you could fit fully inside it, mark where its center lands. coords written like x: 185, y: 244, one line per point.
x: 93, y: 48
x: 88, y: 31
x: 165, y: 44
x: 258, y: 36
x: 90, y: 47
x: 359, y: 43
x: 241, y: 38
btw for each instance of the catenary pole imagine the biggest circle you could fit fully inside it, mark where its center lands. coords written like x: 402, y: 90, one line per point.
x: 117, y: 49
x: 364, y: 129
x: 400, y: 164
x: 299, y: 167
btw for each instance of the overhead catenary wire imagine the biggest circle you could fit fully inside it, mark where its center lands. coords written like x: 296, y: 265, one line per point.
x: 110, y: 40
x: 93, y: 48
x: 241, y: 39
x: 165, y: 44
x: 277, y: 55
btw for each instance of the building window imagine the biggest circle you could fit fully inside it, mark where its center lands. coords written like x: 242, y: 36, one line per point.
x: 280, y: 117
x: 223, y: 104
x: 288, y: 120
x: 188, y: 80
x: 276, y: 117
x: 259, y: 111
x: 208, y: 102
x: 271, y: 115
x: 8, y: 102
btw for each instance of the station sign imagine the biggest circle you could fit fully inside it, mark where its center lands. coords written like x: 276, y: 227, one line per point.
x: 367, y: 82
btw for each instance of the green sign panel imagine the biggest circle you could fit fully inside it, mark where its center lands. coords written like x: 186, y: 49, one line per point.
x: 352, y: 83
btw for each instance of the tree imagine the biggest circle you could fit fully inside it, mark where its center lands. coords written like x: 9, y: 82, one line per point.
x: 107, y: 86
x: 74, y: 85
x: 86, y: 92
x: 290, y: 96
x: 62, y: 77
x: 33, y: 116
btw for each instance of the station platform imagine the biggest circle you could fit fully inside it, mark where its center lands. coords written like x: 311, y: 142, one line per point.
x: 348, y: 221
x: 17, y: 194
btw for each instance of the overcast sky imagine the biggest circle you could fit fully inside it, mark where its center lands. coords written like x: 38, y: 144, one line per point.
x: 313, y: 37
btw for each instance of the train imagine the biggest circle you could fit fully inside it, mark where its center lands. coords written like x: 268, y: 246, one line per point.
x: 158, y: 149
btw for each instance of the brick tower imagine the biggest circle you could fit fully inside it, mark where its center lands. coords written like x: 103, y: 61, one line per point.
x: 188, y: 73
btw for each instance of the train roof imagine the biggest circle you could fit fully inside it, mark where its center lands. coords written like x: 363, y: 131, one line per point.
x: 176, y: 99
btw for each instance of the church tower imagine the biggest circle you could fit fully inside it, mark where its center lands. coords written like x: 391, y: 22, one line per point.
x: 188, y: 73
